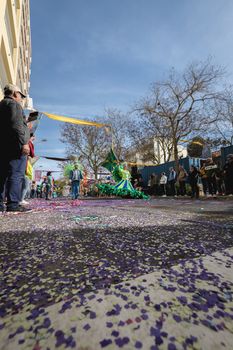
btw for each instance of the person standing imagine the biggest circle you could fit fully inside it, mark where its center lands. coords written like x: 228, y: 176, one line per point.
x: 154, y: 184
x: 75, y: 177
x: 33, y: 190
x: 163, y: 184
x: 49, y: 185
x: 228, y: 175
x: 211, y: 170
x: 28, y: 173
x: 172, y: 181
x: 182, y: 176
x: 193, y: 180
x: 203, y: 176
x: 14, y: 147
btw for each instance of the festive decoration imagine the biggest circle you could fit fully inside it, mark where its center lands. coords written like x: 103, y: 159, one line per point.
x: 110, y: 190
x: 70, y: 166
x: 110, y: 161
x: 195, y: 147
x: 61, y: 118
x: 122, y: 176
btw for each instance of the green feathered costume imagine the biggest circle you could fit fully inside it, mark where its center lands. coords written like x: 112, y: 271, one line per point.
x: 122, y: 176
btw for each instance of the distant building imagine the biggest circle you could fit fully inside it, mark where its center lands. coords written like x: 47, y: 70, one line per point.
x: 154, y: 152
x: 15, y: 45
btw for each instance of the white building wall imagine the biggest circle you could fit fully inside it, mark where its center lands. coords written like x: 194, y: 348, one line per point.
x: 15, y: 44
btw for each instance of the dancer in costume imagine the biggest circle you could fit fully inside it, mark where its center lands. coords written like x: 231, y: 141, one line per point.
x: 125, y: 178
x: 122, y: 176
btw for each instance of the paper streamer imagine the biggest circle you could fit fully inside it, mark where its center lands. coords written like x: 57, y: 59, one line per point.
x: 74, y: 121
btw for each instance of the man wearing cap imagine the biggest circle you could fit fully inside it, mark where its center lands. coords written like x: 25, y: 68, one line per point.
x: 14, y: 148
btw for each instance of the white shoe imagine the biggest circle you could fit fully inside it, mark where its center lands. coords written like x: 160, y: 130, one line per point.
x: 164, y: 195
x: 23, y: 203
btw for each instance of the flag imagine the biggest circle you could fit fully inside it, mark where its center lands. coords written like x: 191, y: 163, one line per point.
x: 110, y: 161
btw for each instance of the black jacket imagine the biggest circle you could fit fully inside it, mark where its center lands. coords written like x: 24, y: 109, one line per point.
x: 228, y: 169
x: 14, y: 132
x: 193, y: 176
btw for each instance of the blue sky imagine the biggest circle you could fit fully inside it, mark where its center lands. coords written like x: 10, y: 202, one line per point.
x: 89, y: 55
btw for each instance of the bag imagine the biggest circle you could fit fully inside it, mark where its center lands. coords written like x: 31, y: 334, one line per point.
x: 29, y: 170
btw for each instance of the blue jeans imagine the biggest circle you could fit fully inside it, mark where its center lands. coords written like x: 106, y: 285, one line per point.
x: 12, y: 173
x: 75, y: 189
x: 26, y: 187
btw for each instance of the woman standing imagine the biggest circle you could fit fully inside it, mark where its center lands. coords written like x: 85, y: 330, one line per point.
x: 163, y: 184
x: 182, y: 175
x: 49, y: 186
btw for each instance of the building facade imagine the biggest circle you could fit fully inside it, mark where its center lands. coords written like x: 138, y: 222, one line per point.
x: 155, y: 151
x: 15, y: 45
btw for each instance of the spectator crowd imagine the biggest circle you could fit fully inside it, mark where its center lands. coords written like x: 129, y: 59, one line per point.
x: 209, y: 180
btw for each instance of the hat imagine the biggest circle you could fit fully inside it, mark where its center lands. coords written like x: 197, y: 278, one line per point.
x: 14, y: 88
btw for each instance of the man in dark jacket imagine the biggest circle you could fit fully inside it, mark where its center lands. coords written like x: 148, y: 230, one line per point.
x: 193, y: 181
x: 75, y: 178
x: 211, y: 170
x: 14, y: 148
x: 228, y: 175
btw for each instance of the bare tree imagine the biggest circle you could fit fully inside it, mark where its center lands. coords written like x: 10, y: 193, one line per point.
x: 150, y: 138
x: 119, y: 128
x: 91, y: 145
x: 182, y: 104
x: 223, y: 128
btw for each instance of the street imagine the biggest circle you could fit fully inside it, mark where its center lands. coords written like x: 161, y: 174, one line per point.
x: 113, y: 273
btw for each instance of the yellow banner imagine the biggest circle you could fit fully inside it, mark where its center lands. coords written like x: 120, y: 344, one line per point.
x: 139, y: 164
x: 61, y: 118
x: 195, y: 142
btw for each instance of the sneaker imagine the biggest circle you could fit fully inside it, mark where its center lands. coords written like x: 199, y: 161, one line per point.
x: 23, y: 203
x: 164, y: 195
x: 18, y: 209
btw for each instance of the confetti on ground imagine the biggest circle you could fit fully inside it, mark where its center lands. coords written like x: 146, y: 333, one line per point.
x: 116, y: 274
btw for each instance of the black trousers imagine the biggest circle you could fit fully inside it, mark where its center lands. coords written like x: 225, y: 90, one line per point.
x: 204, y: 184
x: 172, y: 190
x: 212, y: 185
x: 195, y: 189
x: 182, y: 188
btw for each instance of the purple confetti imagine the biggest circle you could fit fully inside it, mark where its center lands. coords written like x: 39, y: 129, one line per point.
x: 105, y: 342
x: 138, y: 345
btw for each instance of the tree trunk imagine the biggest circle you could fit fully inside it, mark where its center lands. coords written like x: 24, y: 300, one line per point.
x: 176, y: 157
x: 96, y: 173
